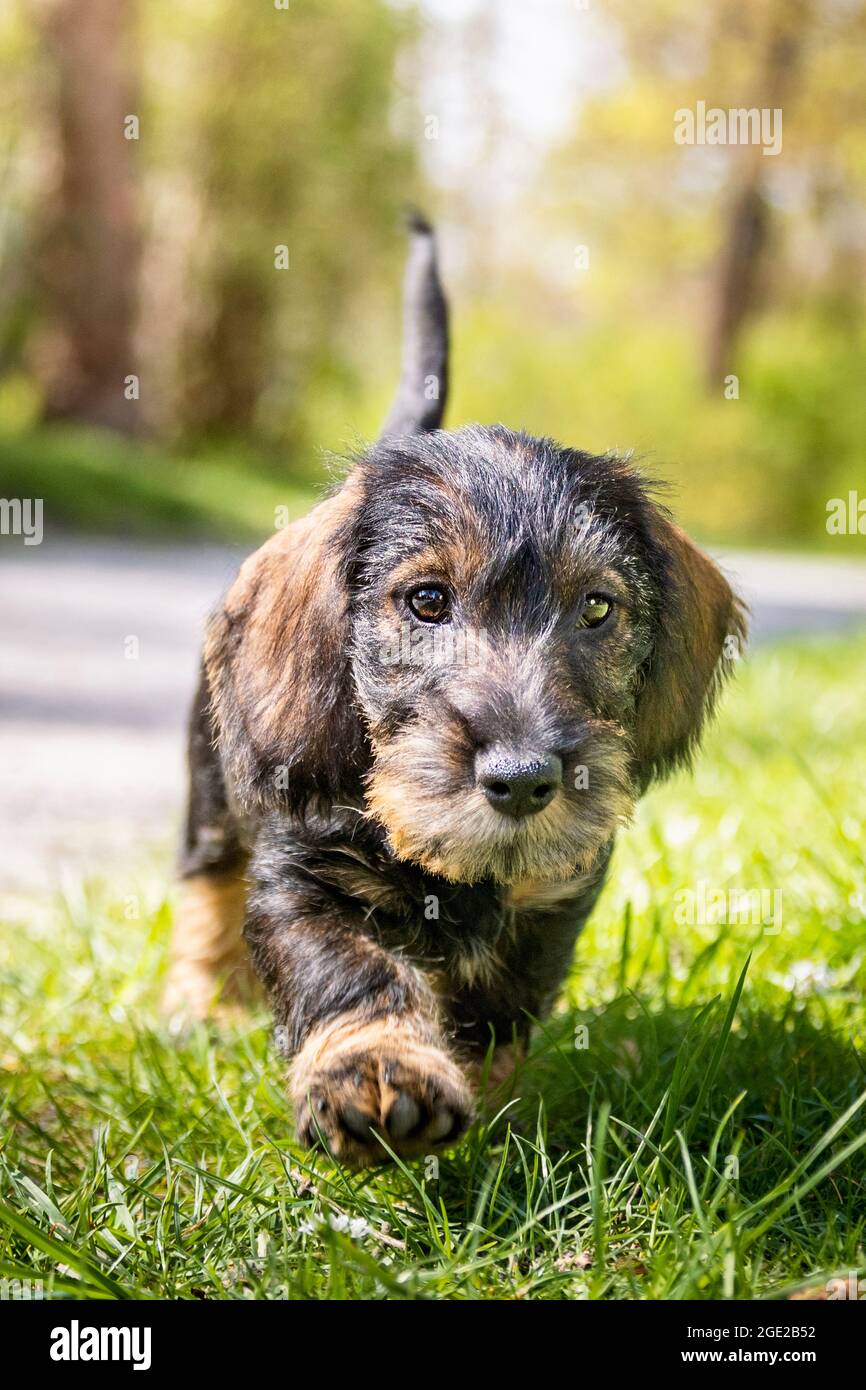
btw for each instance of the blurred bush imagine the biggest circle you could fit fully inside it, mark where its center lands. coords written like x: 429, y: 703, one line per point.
x: 204, y: 197
x: 755, y: 470
x: 265, y: 134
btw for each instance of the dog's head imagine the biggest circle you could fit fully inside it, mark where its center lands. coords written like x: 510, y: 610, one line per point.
x: 490, y: 643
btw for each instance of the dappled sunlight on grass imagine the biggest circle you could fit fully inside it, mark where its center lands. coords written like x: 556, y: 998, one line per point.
x: 669, y: 1137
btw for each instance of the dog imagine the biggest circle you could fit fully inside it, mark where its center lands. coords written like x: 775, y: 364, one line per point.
x: 425, y: 710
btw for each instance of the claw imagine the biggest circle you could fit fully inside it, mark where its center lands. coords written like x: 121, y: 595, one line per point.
x: 403, y: 1117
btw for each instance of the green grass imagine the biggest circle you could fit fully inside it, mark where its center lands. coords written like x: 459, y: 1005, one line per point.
x: 94, y: 482
x: 705, y: 1143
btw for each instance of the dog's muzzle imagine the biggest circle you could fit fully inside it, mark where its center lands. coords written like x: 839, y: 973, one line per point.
x: 518, y: 784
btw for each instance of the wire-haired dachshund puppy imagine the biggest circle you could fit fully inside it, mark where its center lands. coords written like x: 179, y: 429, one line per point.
x: 424, y: 712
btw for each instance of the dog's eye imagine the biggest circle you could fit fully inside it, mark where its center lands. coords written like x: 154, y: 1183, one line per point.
x: 596, y: 610
x: 429, y: 603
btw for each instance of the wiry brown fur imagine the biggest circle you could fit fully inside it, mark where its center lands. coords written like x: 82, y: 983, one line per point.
x: 209, y: 964
x: 400, y: 921
x: 277, y: 660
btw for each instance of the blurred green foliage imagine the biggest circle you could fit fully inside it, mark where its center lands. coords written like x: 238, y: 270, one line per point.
x: 259, y: 129
x: 97, y: 482
x: 305, y: 128
x: 758, y: 469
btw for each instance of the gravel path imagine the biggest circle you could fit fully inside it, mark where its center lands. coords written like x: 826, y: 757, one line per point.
x: 91, y: 737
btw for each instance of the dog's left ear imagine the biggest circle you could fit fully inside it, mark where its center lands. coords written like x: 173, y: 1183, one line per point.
x: 701, y: 633
x: 279, y: 669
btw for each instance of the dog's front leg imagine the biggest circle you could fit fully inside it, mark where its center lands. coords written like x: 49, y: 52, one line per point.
x: 368, y: 1052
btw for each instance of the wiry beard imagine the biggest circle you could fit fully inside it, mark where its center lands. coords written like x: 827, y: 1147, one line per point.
x: 419, y: 791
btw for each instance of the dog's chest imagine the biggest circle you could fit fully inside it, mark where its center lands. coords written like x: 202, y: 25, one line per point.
x: 470, y: 934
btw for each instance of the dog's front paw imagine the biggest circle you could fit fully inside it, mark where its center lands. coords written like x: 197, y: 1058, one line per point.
x: 357, y: 1081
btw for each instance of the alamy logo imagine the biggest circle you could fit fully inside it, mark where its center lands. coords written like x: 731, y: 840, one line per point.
x: 852, y: 1288
x: 22, y: 516
x: 76, y: 1343
x: 704, y: 906
x: 738, y: 126
x: 434, y: 646
x: 846, y: 516
x: 18, y: 1289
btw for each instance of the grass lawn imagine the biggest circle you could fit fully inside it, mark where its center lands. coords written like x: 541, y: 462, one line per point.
x: 693, y: 1141
x: 94, y: 482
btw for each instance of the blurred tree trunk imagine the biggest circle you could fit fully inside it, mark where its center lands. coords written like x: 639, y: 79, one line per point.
x: 229, y: 351
x: 90, y: 255
x: 232, y: 358
x: 735, y: 292
x: 735, y: 289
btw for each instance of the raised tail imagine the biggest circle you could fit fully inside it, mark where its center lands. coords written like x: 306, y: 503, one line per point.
x: 420, y: 401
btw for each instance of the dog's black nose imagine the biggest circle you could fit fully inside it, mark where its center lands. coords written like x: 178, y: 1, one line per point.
x: 518, y: 785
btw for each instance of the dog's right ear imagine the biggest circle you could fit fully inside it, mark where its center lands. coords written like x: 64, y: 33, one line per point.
x: 279, y: 672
